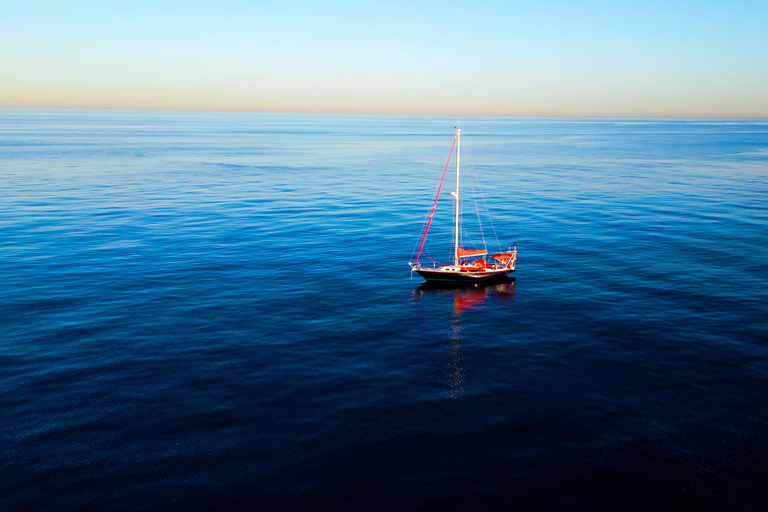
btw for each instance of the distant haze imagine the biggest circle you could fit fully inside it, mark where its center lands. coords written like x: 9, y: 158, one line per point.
x: 586, y: 58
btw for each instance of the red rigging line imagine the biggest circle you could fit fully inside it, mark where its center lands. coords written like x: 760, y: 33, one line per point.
x: 436, y: 197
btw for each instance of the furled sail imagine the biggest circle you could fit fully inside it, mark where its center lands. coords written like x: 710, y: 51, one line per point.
x: 468, y: 253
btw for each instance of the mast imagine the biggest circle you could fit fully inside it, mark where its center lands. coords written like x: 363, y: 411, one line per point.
x: 458, y: 204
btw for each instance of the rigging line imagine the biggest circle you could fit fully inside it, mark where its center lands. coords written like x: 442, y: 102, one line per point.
x: 477, y: 210
x: 490, y: 220
x: 425, y: 222
x: 464, y: 234
x: 485, y: 204
x: 466, y: 237
x: 421, y: 230
x: 460, y: 227
x: 436, y: 198
x: 451, y: 249
x: 472, y: 182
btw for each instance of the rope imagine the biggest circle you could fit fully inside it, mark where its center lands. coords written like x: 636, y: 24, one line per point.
x: 485, y: 204
x: 423, y: 239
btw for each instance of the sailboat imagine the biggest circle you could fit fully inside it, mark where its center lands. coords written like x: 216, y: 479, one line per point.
x: 463, y: 269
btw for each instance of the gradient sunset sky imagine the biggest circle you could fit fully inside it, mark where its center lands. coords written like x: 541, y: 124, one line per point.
x: 620, y: 58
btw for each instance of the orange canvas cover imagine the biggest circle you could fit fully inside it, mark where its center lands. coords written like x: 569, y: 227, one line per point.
x: 501, y: 257
x: 464, y: 253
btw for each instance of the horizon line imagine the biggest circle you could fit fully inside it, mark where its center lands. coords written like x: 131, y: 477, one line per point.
x: 389, y: 113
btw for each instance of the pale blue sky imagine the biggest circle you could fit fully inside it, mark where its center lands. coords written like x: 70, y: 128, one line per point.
x: 671, y: 58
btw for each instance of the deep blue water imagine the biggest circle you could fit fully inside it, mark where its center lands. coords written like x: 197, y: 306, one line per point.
x: 206, y: 311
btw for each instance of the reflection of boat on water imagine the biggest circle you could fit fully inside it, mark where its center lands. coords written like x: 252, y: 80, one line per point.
x: 473, y: 295
x: 465, y: 299
x: 462, y: 270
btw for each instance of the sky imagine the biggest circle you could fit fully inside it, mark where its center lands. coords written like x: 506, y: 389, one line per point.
x: 670, y: 58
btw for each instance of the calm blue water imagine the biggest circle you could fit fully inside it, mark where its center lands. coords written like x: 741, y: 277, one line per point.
x: 214, y: 311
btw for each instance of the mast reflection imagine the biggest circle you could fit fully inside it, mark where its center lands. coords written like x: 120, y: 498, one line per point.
x: 465, y: 298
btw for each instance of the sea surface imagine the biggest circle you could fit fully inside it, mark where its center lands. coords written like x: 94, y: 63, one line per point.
x: 214, y: 311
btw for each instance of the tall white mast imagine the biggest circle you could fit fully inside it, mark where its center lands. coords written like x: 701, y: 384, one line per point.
x: 456, y: 195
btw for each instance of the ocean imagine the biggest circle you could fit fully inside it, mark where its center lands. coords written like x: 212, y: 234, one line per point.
x: 214, y: 311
